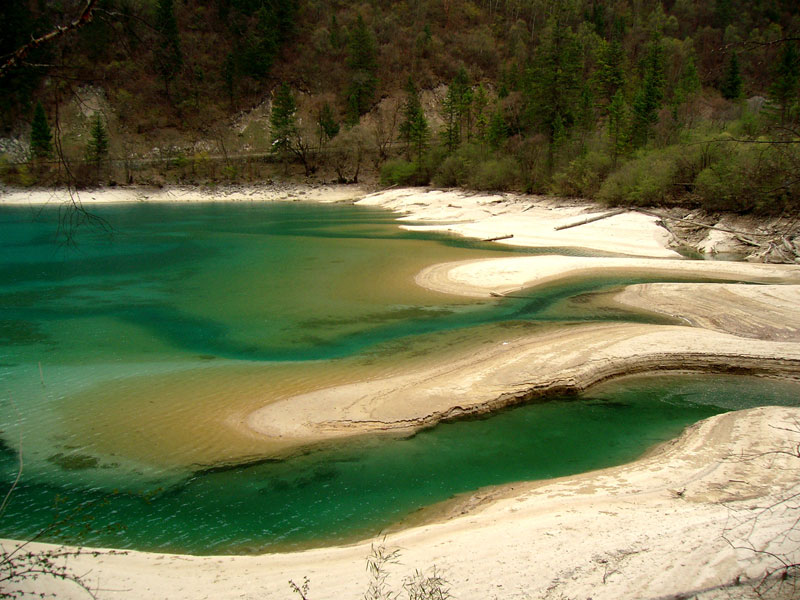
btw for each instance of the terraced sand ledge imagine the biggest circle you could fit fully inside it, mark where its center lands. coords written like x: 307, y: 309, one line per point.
x: 756, y: 332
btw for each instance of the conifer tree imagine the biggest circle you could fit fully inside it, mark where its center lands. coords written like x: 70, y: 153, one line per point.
x: 497, y: 132
x: 456, y: 110
x: 553, y: 87
x: 326, y: 123
x: 617, y: 126
x: 229, y: 76
x: 363, y: 62
x: 338, y: 37
x: 787, y: 74
x: 687, y: 88
x: 610, y: 75
x: 41, y: 136
x: 283, y: 121
x: 585, y: 115
x: 648, y: 97
x: 689, y: 83
x: 414, y: 128
x: 557, y: 143
x: 481, y: 101
x: 731, y: 87
x: 466, y: 108
x: 169, y: 58
x: 97, y: 148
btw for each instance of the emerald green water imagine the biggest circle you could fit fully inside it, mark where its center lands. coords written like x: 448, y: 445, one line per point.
x: 123, y: 358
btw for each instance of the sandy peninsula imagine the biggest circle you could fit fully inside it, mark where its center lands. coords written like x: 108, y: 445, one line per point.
x: 759, y: 336
x: 694, y: 517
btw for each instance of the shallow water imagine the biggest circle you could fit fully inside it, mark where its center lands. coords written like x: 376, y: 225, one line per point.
x: 129, y: 362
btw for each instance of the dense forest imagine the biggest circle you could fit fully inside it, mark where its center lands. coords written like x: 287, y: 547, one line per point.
x: 626, y: 101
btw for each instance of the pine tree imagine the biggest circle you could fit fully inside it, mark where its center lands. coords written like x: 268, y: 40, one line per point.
x: 617, y: 126
x: 229, y: 76
x: 553, y: 83
x: 338, y: 37
x: 97, y: 148
x: 585, y: 115
x: 610, y: 74
x: 481, y: 101
x: 264, y: 42
x: 787, y: 75
x: 456, y: 110
x: 363, y: 62
x: 41, y: 136
x: 723, y: 11
x: 731, y: 87
x: 497, y: 132
x: 648, y: 97
x: 687, y: 88
x: 268, y: 24
x: 557, y: 143
x: 169, y: 58
x: 689, y: 83
x: 414, y: 128
x: 465, y: 108
x: 283, y: 121
x: 326, y: 123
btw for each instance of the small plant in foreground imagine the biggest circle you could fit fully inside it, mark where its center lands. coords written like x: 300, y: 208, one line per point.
x: 418, y: 586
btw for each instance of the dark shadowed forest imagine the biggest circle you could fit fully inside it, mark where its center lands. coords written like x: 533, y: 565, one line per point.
x: 627, y: 102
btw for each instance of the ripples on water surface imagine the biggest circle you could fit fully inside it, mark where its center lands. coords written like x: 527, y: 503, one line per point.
x: 129, y: 363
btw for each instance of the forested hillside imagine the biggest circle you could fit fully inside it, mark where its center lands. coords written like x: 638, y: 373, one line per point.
x: 626, y: 101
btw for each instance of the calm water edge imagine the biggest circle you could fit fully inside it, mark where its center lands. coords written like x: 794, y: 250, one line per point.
x: 125, y: 357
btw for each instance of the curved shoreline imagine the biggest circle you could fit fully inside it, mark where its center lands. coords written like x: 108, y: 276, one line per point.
x: 651, y: 528
x: 501, y: 276
x: 647, y: 529
x: 552, y: 362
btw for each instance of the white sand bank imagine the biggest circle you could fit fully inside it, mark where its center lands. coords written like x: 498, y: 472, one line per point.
x: 228, y: 193
x: 764, y: 312
x: 566, y: 359
x: 532, y: 221
x: 652, y: 529
x: 480, y: 278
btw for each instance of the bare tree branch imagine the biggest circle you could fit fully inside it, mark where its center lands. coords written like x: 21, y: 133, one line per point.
x: 15, y: 57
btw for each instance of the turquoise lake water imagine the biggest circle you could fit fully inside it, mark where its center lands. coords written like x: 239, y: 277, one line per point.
x: 126, y: 360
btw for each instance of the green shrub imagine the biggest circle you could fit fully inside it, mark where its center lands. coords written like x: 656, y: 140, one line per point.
x: 456, y: 170
x: 7, y: 170
x: 452, y: 172
x: 583, y: 176
x: 178, y: 161
x: 646, y: 180
x: 752, y: 177
x: 20, y: 174
x: 403, y: 172
x: 499, y: 174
